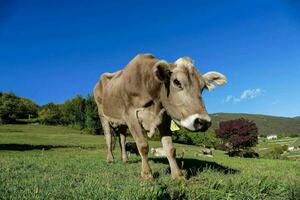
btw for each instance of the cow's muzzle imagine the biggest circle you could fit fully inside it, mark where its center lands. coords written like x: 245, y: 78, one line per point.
x: 196, y: 122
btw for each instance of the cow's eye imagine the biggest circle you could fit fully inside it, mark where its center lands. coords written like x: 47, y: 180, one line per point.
x: 177, y: 83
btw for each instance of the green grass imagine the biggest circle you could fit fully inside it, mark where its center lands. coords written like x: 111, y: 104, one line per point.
x: 264, y: 145
x: 284, y: 141
x: 46, y: 162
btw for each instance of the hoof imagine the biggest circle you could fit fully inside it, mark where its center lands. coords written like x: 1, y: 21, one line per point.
x: 178, y: 176
x: 181, y: 177
x: 109, y: 159
x: 147, y: 176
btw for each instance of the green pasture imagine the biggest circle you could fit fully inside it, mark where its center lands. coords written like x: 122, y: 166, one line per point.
x: 51, y: 162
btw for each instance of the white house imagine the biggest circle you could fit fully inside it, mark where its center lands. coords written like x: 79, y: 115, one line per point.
x: 272, y: 137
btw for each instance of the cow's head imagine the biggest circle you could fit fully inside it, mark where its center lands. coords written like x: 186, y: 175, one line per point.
x: 181, y: 94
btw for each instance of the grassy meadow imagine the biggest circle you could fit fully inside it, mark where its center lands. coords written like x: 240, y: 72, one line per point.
x: 265, y: 145
x: 51, y: 162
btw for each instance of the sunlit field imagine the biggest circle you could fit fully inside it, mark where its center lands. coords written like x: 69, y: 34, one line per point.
x: 265, y: 145
x: 48, y: 162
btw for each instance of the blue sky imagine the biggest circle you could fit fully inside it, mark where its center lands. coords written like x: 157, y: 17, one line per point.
x: 53, y: 50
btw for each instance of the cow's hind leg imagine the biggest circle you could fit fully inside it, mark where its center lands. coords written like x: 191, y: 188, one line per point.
x: 170, y: 151
x: 122, y: 142
x: 108, y: 138
x: 142, y: 144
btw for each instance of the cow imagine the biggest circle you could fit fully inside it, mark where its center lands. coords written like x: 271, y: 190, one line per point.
x: 158, y: 152
x: 205, y: 152
x: 146, y: 95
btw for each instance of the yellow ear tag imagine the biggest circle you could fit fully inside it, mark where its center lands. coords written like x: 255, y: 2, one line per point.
x: 174, y: 126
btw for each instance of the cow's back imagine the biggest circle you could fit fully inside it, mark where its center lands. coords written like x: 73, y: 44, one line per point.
x: 100, y: 87
x: 129, y: 88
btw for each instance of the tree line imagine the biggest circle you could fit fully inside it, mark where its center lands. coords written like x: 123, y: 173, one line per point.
x: 79, y: 112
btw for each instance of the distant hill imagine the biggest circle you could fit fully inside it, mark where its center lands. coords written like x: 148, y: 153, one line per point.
x: 266, y: 124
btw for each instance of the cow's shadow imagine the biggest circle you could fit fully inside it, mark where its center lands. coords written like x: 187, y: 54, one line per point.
x: 195, y: 166
x: 28, y: 147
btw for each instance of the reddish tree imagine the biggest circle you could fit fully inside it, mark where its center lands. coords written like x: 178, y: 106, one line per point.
x: 238, y: 133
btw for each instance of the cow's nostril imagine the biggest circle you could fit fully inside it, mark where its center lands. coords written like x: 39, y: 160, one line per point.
x: 198, y: 124
x: 201, y: 125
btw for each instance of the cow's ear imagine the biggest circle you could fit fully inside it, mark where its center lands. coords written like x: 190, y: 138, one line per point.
x: 212, y: 78
x: 162, y: 71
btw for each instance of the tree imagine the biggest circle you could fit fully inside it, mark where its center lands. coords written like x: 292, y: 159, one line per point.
x: 8, y: 107
x: 92, y: 120
x: 51, y: 114
x: 207, y: 139
x: 13, y: 108
x: 238, y: 134
x: 74, y: 111
x: 27, y: 109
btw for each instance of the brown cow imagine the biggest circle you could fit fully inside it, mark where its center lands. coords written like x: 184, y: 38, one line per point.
x: 147, y: 94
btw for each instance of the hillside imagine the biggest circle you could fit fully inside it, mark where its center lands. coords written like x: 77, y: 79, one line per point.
x: 266, y: 124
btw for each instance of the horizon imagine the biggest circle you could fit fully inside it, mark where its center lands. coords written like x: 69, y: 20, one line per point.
x: 214, y: 113
x: 51, y: 52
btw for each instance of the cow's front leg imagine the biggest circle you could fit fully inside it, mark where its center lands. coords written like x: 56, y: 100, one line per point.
x: 166, y: 140
x: 171, y: 156
x: 142, y: 144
